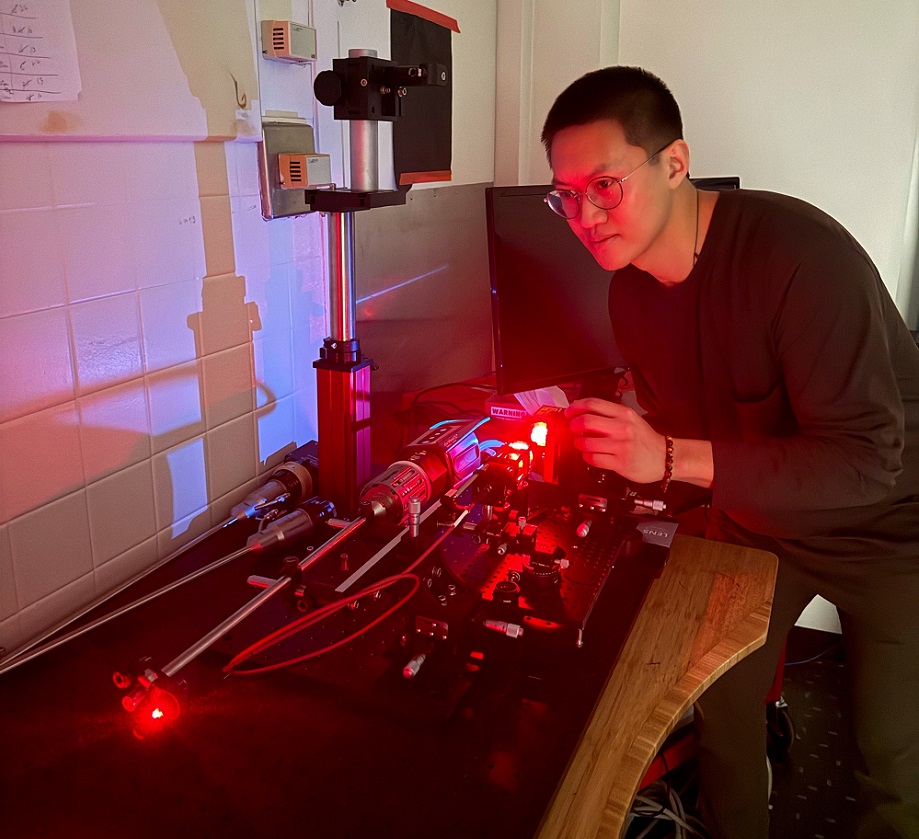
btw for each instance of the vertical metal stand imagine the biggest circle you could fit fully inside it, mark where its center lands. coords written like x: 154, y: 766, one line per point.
x: 342, y: 372
x: 342, y: 382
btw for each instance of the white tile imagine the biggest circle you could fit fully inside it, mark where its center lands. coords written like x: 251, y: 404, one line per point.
x: 169, y: 319
x: 106, y: 340
x: 217, y: 235
x: 121, y: 513
x: 228, y: 385
x: 25, y: 181
x: 309, y: 237
x: 36, y: 370
x: 33, y: 270
x: 211, y: 167
x: 247, y: 164
x: 281, y: 240
x: 251, y: 240
x: 26, y: 444
x: 87, y: 173
x: 126, y: 566
x: 305, y: 420
x: 8, y: 601
x: 276, y: 433
x: 230, y: 456
x: 270, y: 292
x: 306, y: 351
x: 309, y: 299
x: 226, y: 317
x: 11, y: 634
x: 183, y: 531
x: 62, y: 604
x: 167, y: 241
x: 114, y: 429
x: 179, y: 482
x: 176, y: 405
x: 232, y: 151
x: 160, y: 171
x: 274, y: 367
x: 50, y: 548
x: 96, y: 247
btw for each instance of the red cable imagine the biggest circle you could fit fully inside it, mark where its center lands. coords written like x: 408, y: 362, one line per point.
x: 314, y: 617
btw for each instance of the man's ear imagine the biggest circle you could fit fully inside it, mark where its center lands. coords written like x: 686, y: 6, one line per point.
x: 677, y: 163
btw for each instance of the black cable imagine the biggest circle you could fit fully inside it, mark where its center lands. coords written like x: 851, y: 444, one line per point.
x: 468, y: 383
x: 829, y: 649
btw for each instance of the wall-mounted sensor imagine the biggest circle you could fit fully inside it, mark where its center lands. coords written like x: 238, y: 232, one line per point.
x: 300, y: 171
x: 284, y: 40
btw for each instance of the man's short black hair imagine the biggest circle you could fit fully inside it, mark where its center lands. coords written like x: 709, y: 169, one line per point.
x: 638, y: 100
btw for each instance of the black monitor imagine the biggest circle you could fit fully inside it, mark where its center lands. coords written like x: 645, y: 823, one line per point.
x: 550, y: 314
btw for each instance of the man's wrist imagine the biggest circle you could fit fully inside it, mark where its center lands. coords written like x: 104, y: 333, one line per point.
x: 692, y: 462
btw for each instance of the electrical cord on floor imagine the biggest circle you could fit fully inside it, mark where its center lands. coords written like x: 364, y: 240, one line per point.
x: 827, y: 651
x: 660, y: 802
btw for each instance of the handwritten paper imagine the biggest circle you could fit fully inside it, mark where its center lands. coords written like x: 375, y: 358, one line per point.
x: 38, y: 52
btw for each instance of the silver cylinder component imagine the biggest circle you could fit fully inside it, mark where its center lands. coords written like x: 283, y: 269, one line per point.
x: 365, y: 155
x: 341, y: 277
x: 365, y: 146
x: 511, y: 630
x: 294, y: 524
x: 414, y: 517
x: 290, y: 482
x: 411, y: 669
x: 387, y: 497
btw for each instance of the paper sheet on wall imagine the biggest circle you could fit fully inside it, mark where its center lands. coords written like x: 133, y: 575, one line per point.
x: 38, y: 52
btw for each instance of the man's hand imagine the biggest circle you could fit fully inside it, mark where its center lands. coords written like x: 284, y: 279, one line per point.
x: 615, y: 437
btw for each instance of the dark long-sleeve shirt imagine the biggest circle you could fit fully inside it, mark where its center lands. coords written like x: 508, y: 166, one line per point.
x: 784, y: 348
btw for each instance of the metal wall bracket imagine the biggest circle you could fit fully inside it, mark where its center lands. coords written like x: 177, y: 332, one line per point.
x: 282, y: 138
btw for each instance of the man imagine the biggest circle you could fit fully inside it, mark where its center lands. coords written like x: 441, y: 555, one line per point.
x: 776, y: 371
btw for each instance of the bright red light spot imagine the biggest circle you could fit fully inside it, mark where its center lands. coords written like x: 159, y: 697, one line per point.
x: 539, y: 433
x: 157, y: 711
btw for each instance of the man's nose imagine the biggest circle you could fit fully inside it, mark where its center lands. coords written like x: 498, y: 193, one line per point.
x: 589, y: 214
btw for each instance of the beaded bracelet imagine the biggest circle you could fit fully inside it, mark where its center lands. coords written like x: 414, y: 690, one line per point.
x: 668, y: 463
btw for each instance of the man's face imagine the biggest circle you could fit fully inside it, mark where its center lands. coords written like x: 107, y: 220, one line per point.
x: 628, y: 232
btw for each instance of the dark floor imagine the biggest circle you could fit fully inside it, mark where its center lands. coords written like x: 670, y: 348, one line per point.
x: 814, y: 789
x: 813, y: 753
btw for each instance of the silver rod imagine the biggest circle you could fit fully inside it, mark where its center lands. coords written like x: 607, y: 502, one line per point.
x: 365, y: 155
x: 37, y: 646
x: 343, y: 587
x: 266, y: 594
x: 326, y: 547
x: 217, y: 632
x: 341, y: 276
x: 365, y: 146
x: 360, y: 572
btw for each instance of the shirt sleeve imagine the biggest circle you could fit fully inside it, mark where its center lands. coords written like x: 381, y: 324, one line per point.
x: 829, y: 334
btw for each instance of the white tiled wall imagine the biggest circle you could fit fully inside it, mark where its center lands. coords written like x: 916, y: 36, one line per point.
x: 156, y: 347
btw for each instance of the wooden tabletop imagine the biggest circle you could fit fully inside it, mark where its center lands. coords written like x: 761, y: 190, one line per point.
x: 708, y: 610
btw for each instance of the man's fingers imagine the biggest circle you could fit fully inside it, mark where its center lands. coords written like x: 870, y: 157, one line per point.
x: 597, y: 407
x: 615, y: 428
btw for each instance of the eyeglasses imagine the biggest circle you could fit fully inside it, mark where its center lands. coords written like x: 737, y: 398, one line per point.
x: 603, y: 191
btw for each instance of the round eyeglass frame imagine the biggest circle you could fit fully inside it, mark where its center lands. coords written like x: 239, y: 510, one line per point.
x: 555, y: 199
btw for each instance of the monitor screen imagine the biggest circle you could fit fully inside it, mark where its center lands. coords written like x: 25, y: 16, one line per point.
x: 550, y: 316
